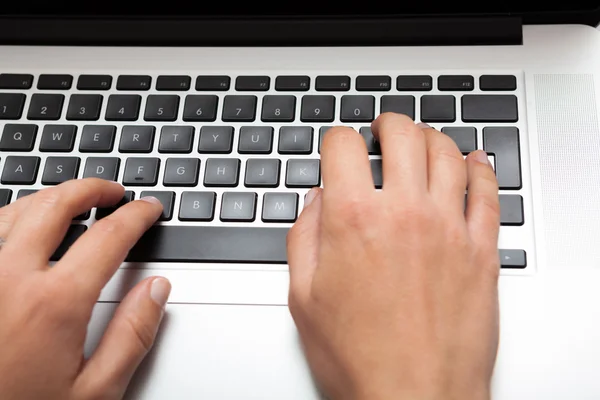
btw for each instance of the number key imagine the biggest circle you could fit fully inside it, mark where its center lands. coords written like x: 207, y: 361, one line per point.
x: 162, y: 108
x: 318, y: 108
x: 278, y: 108
x: 200, y: 108
x: 123, y: 107
x: 239, y: 108
x: 11, y: 105
x: 358, y: 109
x: 84, y: 107
x: 45, y: 106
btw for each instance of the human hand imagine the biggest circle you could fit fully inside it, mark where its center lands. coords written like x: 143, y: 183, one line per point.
x: 394, y: 292
x: 44, y: 311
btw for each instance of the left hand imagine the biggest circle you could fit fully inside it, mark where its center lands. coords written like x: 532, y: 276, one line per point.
x: 44, y: 311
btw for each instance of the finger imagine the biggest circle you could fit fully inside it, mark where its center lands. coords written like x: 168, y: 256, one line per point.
x: 104, y: 246
x: 127, y: 340
x: 483, y: 205
x: 345, y: 164
x: 42, y: 226
x: 10, y: 213
x: 303, y: 245
x: 404, y: 153
x: 447, y: 172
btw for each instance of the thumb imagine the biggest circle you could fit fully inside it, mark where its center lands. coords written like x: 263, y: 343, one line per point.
x: 303, y: 244
x: 127, y: 340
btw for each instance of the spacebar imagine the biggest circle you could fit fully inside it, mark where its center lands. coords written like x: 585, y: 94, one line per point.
x: 211, y: 244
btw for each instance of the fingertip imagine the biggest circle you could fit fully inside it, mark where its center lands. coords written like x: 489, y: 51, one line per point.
x: 160, y: 289
x: 152, y: 200
x: 479, y: 156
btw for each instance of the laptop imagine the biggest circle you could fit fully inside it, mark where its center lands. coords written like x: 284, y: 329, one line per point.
x: 219, y: 113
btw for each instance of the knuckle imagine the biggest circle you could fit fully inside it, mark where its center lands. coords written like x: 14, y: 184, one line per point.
x: 490, y: 203
x: 356, y: 211
x: 49, y: 198
x: 110, y: 225
x: 142, y: 332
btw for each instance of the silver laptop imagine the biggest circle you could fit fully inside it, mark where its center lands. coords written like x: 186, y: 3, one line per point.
x: 220, y: 115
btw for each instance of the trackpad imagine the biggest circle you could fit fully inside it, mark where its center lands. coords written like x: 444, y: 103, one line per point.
x: 219, y: 352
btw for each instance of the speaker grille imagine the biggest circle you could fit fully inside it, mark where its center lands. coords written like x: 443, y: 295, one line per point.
x: 569, y: 140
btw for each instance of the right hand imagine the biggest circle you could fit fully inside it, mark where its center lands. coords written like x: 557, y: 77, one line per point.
x: 394, y: 293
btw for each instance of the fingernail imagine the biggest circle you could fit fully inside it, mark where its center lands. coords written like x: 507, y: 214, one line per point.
x: 310, y: 197
x: 423, y: 125
x: 151, y: 199
x: 160, y: 290
x: 482, y: 157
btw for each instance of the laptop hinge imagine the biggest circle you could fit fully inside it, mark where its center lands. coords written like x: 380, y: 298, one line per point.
x: 441, y: 31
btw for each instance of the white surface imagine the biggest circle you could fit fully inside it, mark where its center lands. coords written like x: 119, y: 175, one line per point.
x: 549, y: 330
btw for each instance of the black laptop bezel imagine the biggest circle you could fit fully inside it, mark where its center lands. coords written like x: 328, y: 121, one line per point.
x: 328, y: 29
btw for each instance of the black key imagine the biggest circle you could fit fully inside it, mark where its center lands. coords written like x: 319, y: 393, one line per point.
x: 465, y: 137
x: 303, y: 173
x: 503, y: 143
x: 5, y: 196
x: 414, y: 83
x: 181, y: 172
x: 102, y: 167
x: 377, y: 173
x: 197, y: 206
x: 239, y: 108
x: 295, y: 139
x: 213, y: 82
x: 332, y: 83
x: 280, y: 207
x: 16, y: 81
x: 252, y: 83
x: 358, y: 109
x: 60, y: 169
x: 255, y: 140
x: 456, y: 82
x: 128, y: 197
x: 490, y: 108
x: 498, y: 82
x: 162, y: 108
x: 238, y: 207
x: 373, y: 83
x: 73, y: 233
x: 373, y: 146
x: 58, y: 138
x: 123, y: 107
x: 167, y: 199
x: 438, y: 108
x: 513, y: 259
x: 200, y: 108
x: 26, y: 192
x: 222, y: 172
x: 322, y: 131
x: 278, y: 108
x: 84, y: 107
x: 262, y: 172
x: 292, y: 83
x: 137, y: 139
x: 17, y: 137
x: 317, y: 109
x: 399, y: 105
x: 11, y: 105
x: 215, y: 139
x: 176, y: 139
x: 94, y: 82
x: 55, y: 82
x: 20, y: 170
x: 173, y: 82
x: 511, y: 210
x: 141, y: 172
x: 226, y: 244
x: 97, y: 139
x: 134, y: 82
x: 45, y: 107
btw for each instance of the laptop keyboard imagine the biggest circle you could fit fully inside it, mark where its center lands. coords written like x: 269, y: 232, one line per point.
x: 231, y: 157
